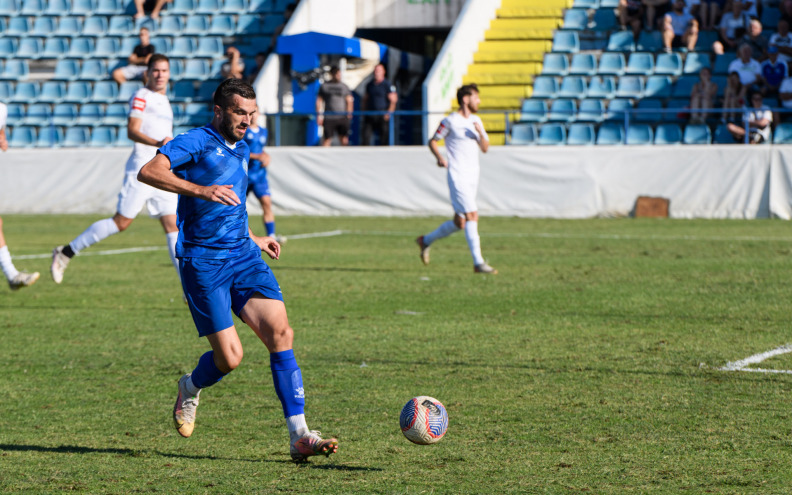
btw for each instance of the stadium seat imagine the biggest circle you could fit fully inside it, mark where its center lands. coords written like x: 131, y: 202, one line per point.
x: 770, y: 17
x: 262, y: 6
x: 76, y: 136
x: 15, y: 70
x: 182, y: 92
x: 206, y: 90
x: 181, y: 7
x: 575, y: 19
x: 49, y: 136
x: 521, y: 134
x: 591, y: 110
x: 668, y: 64
x: 248, y: 24
x: 196, y: 69
x: 658, y: 87
x: 683, y: 86
x: 176, y: 69
x: 6, y: 90
x: 566, y: 42
x: 52, y: 92
x: 272, y: 21
x: 106, y: 48
x: 621, y: 41
x: 43, y: 26
x: 723, y: 135
x: 196, y: 114
x: 64, y: 113
x: 207, y: 6
x: 706, y: 39
x: 161, y: 44
x: 121, y: 25
x: 677, y: 109
x: 77, y: 92
x: 29, y: 48
x: 128, y: 89
x: 603, y: 20
x: 8, y: 47
x: 611, y: 64
x: 630, y: 87
x: 234, y: 7
x: 18, y: 26
x: 90, y: 114
x: 128, y: 44
x: 783, y: 133
x: 57, y: 7
x: 196, y: 25
x: 54, y: 48
x: 572, y: 87
x: 93, y: 70
x: 210, y: 47
x: 562, y: 110
x: 82, y: 7
x: 184, y: 47
x: 721, y: 64
x: 583, y: 64
x: 667, y: 134
x: 32, y: 7
x: 586, y: 4
x: 122, y: 139
x: 616, y: 109
x: 16, y: 112
x: 69, y: 27
x: 651, y: 110
x: 104, y: 92
x: 649, y: 41
x: 640, y: 64
x: 8, y: 8
x: 37, y: 114
x: 81, y: 47
x: 181, y: 129
x: 25, y: 92
x: 22, y: 137
x: 721, y: 82
x: 545, y: 87
x: 103, y: 136
x: 533, y: 110
x: 639, y: 134
x: 170, y: 25
x: 94, y: 26
x: 697, y: 134
x: 610, y: 134
x: 552, y: 135
x: 555, y: 64
x: 108, y: 7
x: 115, y: 114
x: 222, y: 25
x: 580, y: 134
x: 696, y: 61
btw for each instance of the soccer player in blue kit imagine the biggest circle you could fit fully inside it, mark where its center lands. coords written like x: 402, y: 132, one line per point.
x: 256, y: 139
x: 221, y: 264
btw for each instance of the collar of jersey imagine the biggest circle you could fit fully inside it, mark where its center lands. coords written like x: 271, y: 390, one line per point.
x: 216, y: 133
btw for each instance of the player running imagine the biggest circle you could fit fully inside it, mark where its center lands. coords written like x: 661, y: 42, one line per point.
x: 16, y: 279
x: 464, y: 135
x: 256, y: 139
x: 221, y: 265
x: 150, y: 126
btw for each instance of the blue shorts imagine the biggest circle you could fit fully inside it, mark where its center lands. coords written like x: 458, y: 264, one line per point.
x: 214, y: 287
x: 258, y: 183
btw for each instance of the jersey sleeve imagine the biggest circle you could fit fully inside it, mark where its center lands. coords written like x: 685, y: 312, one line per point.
x: 442, y: 130
x: 184, y: 149
x: 137, y: 105
x: 3, y: 116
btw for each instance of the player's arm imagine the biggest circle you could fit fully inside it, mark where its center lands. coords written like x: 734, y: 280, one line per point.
x: 319, y: 115
x: 157, y: 173
x: 3, y: 140
x: 267, y: 244
x: 350, y: 105
x: 483, y: 140
x: 435, y: 149
x: 133, y: 132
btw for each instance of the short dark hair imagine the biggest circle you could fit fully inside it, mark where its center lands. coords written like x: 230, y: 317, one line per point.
x: 157, y: 57
x: 466, y: 90
x: 225, y: 92
x: 334, y: 70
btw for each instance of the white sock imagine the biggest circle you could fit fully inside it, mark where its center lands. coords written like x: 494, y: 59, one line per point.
x: 297, y: 426
x: 172, y: 237
x: 444, y: 230
x: 190, y: 387
x: 93, y: 234
x: 474, y: 241
x: 6, y: 264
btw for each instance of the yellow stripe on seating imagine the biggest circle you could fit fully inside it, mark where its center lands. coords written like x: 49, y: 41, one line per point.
x: 519, y: 34
x: 522, y: 24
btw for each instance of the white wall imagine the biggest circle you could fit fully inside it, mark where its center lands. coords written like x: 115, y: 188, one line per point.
x: 407, y: 13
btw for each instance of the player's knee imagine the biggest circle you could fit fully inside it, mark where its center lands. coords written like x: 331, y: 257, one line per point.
x: 459, y: 221
x: 282, y: 335
x: 230, y: 360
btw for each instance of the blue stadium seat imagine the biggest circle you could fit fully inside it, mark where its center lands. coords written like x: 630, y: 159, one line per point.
x: 90, y: 114
x: 721, y: 82
x: 197, y: 114
x: 29, y: 48
x: 770, y: 17
x: 207, y: 6
x: 83, y: 7
x: 572, y: 87
x: 122, y: 139
x: 603, y: 20
x: 181, y: 129
x: 121, y: 25
x: 9, y: 7
x: 611, y: 64
x: 555, y: 64
x: 76, y: 136
x: 78, y: 92
x: 184, y: 47
x: 93, y: 70
x: 22, y: 137
x: 32, y: 7
x: 55, y: 48
x: 630, y: 87
x: 667, y: 134
x: 640, y: 63
x: 222, y: 25
x: 52, y: 92
x: 69, y: 27
x: 116, y: 114
x: 545, y: 87
x: 723, y: 135
x: 575, y: 19
x: 591, y: 110
x: 6, y: 90
x: 583, y: 64
x: 25, y: 92
x: 696, y: 61
x: 43, y: 26
x: 262, y: 6
x: 128, y: 89
x: 196, y: 25
x: 564, y: 42
x: 196, y: 69
x: 649, y: 41
x: 658, y: 87
x: 181, y: 92
x: 81, y: 47
x: 104, y: 91
x: 161, y: 44
x: 64, y: 114
x: 181, y: 7
x: 706, y: 39
x: 248, y: 24
x: 683, y: 86
x: 176, y: 69
x: 3, y: 25
x: 562, y: 110
x: 170, y: 25
x: 210, y: 47
x: 668, y: 64
x: 677, y: 109
x: 18, y: 26
x: 15, y: 70
x: 57, y: 7
x: 16, y: 112
x: 37, y: 114
x: 103, y: 136
x: 235, y: 6
x: 207, y: 88
x: 586, y: 4
x: 94, y: 26
x: 272, y: 21
x: 106, y: 48
x: 532, y: 110
x: 109, y: 7
x: 697, y: 134
x: 49, y: 136
x: 552, y: 135
x: 783, y: 133
x: 580, y: 134
x: 639, y: 134
x: 8, y: 46
x: 721, y: 65
x: 609, y: 4
x: 610, y: 134
x: 616, y: 109
x: 128, y: 43
x: 521, y: 134
x: 621, y: 41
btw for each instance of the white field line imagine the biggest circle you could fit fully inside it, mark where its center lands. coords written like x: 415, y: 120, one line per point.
x: 742, y: 365
x: 561, y: 235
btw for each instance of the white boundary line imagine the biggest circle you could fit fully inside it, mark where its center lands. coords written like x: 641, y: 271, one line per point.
x: 742, y: 365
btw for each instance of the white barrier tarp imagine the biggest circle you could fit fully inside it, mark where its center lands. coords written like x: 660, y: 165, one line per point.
x: 560, y: 182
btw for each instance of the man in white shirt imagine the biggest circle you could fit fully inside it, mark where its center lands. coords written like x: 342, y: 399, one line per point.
x: 464, y: 136
x: 749, y: 70
x: 785, y: 93
x: 783, y: 40
x: 758, y: 117
x: 680, y: 28
x: 150, y: 126
x: 733, y: 25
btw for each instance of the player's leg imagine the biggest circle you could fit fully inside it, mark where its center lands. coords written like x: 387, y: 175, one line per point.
x: 172, y: 233
x: 470, y: 224
x: 267, y: 216
x: 424, y: 242
x: 343, y: 131
x: 97, y: 232
x: 16, y: 279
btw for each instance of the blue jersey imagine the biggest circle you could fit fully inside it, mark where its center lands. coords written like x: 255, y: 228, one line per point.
x: 208, y: 229
x: 256, y: 140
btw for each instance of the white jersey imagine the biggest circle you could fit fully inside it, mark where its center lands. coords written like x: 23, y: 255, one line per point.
x: 157, y: 122
x: 462, y: 147
x: 3, y: 115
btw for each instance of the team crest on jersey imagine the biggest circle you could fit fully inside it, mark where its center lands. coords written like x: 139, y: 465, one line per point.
x: 138, y: 104
x: 220, y: 151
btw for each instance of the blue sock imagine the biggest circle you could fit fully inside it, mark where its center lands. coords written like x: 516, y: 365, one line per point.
x: 206, y: 373
x: 288, y: 382
x: 270, y: 227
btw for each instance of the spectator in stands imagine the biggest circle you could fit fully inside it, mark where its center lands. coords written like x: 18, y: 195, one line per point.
x: 756, y: 40
x: 655, y: 10
x: 380, y: 96
x: 235, y: 67
x: 733, y: 26
x: 785, y: 95
x: 750, y: 70
x: 783, y: 40
x: 680, y: 29
x: 710, y: 12
x: 758, y: 117
x: 749, y: 7
x: 702, y: 96
x: 785, y: 6
x: 733, y: 97
x: 337, y: 98
x: 774, y: 71
x: 152, y: 7
x: 138, y: 60
x: 261, y: 57
x: 631, y: 12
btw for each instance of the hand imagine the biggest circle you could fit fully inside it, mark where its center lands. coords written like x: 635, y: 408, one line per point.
x: 386, y: 117
x: 3, y: 144
x: 442, y: 162
x: 221, y: 194
x: 164, y: 141
x: 319, y: 119
x: 268, y: 245
x: 478, y: 128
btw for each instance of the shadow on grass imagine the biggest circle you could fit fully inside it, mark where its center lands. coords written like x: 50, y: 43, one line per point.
x: 334, y: 269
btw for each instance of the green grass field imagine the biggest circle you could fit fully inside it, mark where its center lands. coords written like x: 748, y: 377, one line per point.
x: 589, y: 364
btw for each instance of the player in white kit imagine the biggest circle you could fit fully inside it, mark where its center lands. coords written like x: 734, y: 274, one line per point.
x: 464, y: 136
x: 150, y: 126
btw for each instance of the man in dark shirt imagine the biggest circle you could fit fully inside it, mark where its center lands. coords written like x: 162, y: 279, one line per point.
x: 138, y: 60
x: 380, y: 96
x: 337, y: 99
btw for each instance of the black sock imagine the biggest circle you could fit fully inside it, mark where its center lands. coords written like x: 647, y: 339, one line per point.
x: 67, y: 251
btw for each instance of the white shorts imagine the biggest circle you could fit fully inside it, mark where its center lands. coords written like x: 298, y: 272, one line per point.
x: 134, y: 194
x: 463, y: 197
x: 133, y: 71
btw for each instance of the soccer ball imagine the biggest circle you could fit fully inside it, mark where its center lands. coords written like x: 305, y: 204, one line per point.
x: 423, y: 420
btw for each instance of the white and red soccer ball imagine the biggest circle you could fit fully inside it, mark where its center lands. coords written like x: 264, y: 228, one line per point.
x: 423, y: 420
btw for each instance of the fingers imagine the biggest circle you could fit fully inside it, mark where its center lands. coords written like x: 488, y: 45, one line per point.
x: 224, y: 195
